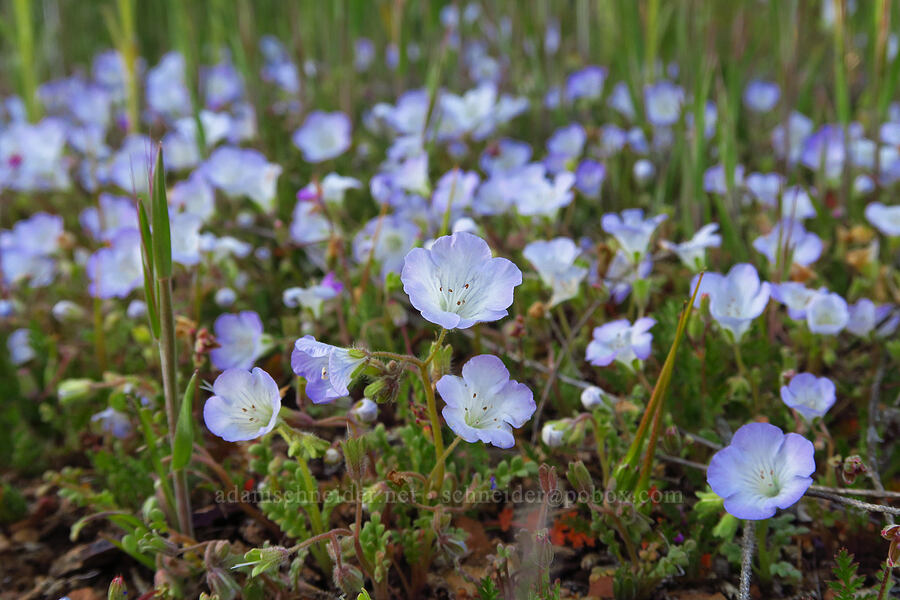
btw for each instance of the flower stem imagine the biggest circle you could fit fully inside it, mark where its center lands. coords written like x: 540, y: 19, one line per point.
x: 884, y: 582
x: 746, y: 561
x: 315, y: 516
x: 435, y: 424
x: 99, y: 335
x: 746, y: 375
x: 765, y: 561
x: 437, y: 346
x: 167, y: 360
x: 442, y: 459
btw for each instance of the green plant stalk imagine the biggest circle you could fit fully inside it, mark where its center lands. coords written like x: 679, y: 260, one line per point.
x: 151, y: 440
x: 167, y: 359
x: 128, y: 48
x: 436, y: 435
x: 746, y: 374
x: 650, y: 35
x: 99, y: 335
x: 764, y: 557
x: 315, y: 515
x: 25, y: 44
x: 629, y: 463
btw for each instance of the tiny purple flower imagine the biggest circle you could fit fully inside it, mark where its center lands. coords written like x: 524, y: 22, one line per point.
x: 620, y: 340
x: 240, y: 340
x: 485, y: 404
x: 693, y: 252
x: 328, y: 369
x: 118, y: 269
x: 827, y: 313
x: 735, y: 299
x: 631, y: 230
x: 244, y: 406
x: 457, y: 283
x: 589, y: 177
x: 761, y: 96
x: 586, y: 83
x: 554, y: 261
x: 803, y: 247
x: 663, y: 101
x: 809, y: 395
x: 885, y: 218
x: 113, y: 422
x: 323, y: 136
x: 761, y: 470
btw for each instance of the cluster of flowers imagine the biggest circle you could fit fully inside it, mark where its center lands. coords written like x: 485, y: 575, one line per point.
x: 453, y: 281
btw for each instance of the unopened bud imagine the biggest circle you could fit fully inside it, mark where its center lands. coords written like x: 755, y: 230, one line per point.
x: 365, y: 411
x: 117, y: 589
x: 355, y: 457
x: 74, y: 389
x: 852, y: 468
x: 580, y: 479
x: 348, y: 578
x: 554, y: 432
x: 547, y: 478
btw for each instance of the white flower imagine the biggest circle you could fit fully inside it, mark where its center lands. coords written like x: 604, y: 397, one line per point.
x: 244, y: 406
x: 693, y: 252
x: 554, y: 261
x: 827, y: 313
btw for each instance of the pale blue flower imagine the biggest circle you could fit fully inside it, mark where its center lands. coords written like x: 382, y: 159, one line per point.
x: 19, y: 346
x: 244, y: 406
x: 790, y: 143
x: 114, y: 214
x: 761, y: 470
x: 387, y: 240
x: 735, y: 299
x: 505, y: 155
x: 803, y: 247
x: 795, y: 296
x: 328, y: 370
x: 861, y: 319
x: 242, y: 172
x: 167, y: 93
x: 631, y: 230
x: 663, y: 101
x: 693, y: 252
x: 457, y: 283
x: 885, y: 219
x: 620, y: 341
x: 485, y: 404
x: 827, y: 313
x: 323, y: 136
x: 589, y: 177
x: 113, y: 422
x: 554, y: 261
x: 765, y: 187
x: 586, y: 83
x: 761, y: 96
x: 809, y: 395
x: 365, y: 411
x: 240, y: 338
x: 116, y: 270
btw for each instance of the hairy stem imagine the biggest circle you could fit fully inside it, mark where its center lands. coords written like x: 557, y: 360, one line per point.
x: 167, y: 360
x: 746, y: 561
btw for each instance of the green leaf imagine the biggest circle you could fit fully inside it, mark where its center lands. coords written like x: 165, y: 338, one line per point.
x: 184, y: 430
x: 162, y: 236
x: 726, y: 527
x: 149, y: 278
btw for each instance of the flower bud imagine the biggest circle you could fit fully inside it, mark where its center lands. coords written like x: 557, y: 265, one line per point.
x: 365, y: 411
x: 222, y: 584
x: 853, y: 467
x: 117, y: 589
x: 348, y: 578
x: 66, y: 310
x: 553, y: 433
x: 580, y: 479
x: 547, y: 478
x: 355, y: 457
x: 74, y: 389
x: 593, y: 397
x: 332, y: 457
